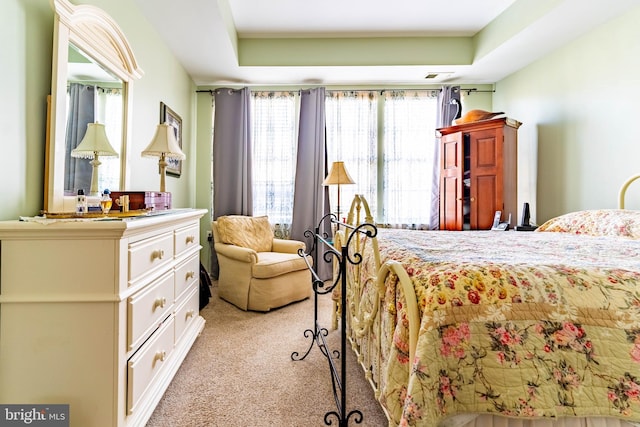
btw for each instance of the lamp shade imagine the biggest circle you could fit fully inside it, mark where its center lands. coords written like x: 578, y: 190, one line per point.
x: 94, y: 143
x: 338, y: 175
x: 164, y: 143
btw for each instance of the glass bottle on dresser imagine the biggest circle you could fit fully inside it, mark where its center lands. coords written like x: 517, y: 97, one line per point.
x: 105, y: 202
x: 81, y: 203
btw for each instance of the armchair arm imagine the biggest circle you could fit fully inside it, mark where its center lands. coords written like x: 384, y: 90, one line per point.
x: 237, y: 252
x: 287, y: 246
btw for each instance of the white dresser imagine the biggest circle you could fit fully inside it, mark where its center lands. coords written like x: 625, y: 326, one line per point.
x: 98, y: 314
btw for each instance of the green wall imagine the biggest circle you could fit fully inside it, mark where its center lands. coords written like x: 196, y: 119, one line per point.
x: 26, y: 26
x: 578, y: 106
x: 25, y: 82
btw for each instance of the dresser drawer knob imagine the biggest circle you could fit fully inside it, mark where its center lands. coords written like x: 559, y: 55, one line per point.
x: 190, y: 275
x: 160, y: 302
x: 191, y: 239
x: 189, y: 314
x: 160, y: 355
x: 159, y: 254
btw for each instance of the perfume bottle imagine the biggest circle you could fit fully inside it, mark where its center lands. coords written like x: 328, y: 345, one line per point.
x: 105, y: 202
x: 81, y: 203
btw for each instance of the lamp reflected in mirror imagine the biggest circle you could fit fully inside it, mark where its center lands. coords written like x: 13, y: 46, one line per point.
x: 94, y: 144
x: 164, y: 145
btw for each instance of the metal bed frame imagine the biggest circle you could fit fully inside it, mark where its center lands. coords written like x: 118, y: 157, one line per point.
x: 318, y: 333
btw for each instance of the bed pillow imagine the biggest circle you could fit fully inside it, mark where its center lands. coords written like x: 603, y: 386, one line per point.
x: 601, y: 222
x: 253, y: 232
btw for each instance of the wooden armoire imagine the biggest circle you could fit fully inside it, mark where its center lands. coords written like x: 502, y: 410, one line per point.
x: 478, y: 174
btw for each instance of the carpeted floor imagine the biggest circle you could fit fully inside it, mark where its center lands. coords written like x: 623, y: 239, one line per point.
x: 240, y: 373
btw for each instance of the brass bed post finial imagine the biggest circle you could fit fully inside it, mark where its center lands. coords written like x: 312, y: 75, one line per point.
x: 623, y: 190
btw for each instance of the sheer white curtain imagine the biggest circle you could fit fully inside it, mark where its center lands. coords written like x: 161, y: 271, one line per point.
x: 109, y: 112
x: 274, y: 133
x: 387, y: 144
x: 409, y: 148
x: 352, y: 129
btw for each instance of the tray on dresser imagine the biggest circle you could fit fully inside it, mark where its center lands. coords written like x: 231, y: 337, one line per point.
x: 96, y: 215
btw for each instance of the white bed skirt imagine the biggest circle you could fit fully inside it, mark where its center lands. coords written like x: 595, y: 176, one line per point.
x: 486, y: 420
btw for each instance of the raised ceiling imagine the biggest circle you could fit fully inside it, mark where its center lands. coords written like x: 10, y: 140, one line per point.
x: 368, y: 42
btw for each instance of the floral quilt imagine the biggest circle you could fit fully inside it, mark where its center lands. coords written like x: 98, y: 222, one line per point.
x: 535, y: 324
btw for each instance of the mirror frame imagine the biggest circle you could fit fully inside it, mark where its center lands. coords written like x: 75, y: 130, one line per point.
x: 95, y: 33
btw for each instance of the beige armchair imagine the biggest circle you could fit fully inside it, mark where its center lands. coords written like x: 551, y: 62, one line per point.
x: 257, y: 271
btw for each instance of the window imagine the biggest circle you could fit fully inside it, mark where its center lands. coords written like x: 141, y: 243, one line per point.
x: 351, y: 123
x: 386, y: 140
x: 274, y: 140
x: 387, y: 144
x: 110, y: 106
x: 407, y: 163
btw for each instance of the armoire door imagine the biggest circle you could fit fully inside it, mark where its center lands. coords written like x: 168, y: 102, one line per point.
x: 485, y: 155
x: 451, y: 181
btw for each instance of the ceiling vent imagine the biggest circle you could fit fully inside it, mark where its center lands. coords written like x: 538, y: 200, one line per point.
x: 440, y: 75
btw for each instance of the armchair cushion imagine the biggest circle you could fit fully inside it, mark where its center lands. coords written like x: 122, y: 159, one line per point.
x: 246, y: 231
x: 272, y: 264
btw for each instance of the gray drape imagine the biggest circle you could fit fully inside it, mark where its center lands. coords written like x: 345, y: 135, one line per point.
x: 232, y: 180
x: 311, y: 199
x: 449, y: 108
x: 81, y: 113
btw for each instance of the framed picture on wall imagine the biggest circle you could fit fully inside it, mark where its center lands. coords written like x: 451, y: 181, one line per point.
x: 167, y: 115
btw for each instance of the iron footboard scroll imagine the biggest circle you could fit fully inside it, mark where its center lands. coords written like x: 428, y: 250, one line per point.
x: 340, y: 257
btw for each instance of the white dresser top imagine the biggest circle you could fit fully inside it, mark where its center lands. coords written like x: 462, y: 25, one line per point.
x: 108, y: 226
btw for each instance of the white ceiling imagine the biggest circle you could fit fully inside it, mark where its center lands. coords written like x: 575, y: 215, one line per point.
x: 207, y: 36
x: 364, y: 17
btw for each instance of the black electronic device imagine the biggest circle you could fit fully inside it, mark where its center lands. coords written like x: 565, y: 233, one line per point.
x: 524, y: 222
x: 525, y: 214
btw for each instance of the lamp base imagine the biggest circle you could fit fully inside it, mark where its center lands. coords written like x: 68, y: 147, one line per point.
x: 95, y: 164
x: 163, y: 172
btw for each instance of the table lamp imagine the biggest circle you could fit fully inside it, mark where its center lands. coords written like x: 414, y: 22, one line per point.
x: 164, y: 145
x: 93, y: 145
x: 338, y: 175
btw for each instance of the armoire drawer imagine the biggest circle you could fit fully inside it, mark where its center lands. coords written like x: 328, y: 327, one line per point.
x: 148, y: 308
x: 186, y: 274
x: 186, y: 311
x: 150, y: 254
x: 145, y: 365
x: 186, y: 238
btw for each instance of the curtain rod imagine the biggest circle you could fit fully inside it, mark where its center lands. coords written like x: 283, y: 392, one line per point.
x: 476, y: 90
x: 468, y: 90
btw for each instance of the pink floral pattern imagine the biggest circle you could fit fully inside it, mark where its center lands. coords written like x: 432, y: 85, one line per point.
x: 517, y: 324
x: 600, y: 222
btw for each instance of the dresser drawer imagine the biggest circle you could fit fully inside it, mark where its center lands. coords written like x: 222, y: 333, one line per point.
x: 187, y: 311
x: 186, y: 274
x: 150, y: 254
x: 187, y: 238
x: 145, y: 365
x: 148, y: 308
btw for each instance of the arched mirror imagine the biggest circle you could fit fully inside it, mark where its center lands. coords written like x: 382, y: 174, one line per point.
x: 92, y: 82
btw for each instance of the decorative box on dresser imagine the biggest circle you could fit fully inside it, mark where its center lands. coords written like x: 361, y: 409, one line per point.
x: 98, y: 314
x: 478, y: 174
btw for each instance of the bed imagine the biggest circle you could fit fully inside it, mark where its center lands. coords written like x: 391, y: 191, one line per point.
x: 480, y: 328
